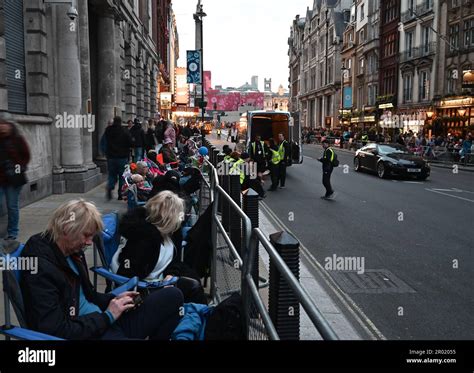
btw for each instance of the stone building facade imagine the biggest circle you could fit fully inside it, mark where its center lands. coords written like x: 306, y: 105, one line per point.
x: 64, y: 79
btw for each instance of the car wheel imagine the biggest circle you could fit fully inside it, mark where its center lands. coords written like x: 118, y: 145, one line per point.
x: 357, y: 167
x: 381, y: 170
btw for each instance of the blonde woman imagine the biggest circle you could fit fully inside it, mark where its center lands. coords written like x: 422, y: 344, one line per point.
x: 60, y: 300
x: 151, y: 245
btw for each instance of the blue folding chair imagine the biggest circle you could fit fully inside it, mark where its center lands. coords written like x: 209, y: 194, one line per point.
x: 105, y: 246
x: 13, y: 297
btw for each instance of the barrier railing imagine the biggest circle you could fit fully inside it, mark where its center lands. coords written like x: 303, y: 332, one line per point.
x: 233, y: 271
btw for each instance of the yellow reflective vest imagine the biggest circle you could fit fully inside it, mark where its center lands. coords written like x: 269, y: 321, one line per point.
x: 275, y: 156
x: 281, y: 150
x: 236, y: 169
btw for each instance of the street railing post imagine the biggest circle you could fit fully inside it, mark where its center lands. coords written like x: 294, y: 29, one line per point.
x: 225, y: 204
x: 216, y: 155
x: 235, y: 220
x: 220, y: 168
x: 283, y: 305
x: 250, y: 207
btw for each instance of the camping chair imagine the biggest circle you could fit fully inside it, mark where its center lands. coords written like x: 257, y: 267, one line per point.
x: 132, y: 195
x: 105, y: 246
x: 13, y: 296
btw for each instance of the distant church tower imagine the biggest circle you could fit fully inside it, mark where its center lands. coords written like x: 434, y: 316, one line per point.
x: 268, y: 85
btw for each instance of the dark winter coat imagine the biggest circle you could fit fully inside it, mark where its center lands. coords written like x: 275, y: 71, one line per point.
x: 51, y: 296
x: 118, y: 142
x: 13, y: 151
x: 138, y: 136
x: 142, y: 250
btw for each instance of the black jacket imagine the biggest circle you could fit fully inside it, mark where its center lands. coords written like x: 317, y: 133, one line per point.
x: 143, y: 246
x: 150, y: 140
x: 138, y: 136
x: 118, y: 141
x: 51, y: 296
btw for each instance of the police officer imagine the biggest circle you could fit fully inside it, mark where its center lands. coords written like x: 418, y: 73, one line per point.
x: 258, y: 153
x: 284, y: 152
x: 327, y: 161
x: 274, y: 163
x: 365, y: 139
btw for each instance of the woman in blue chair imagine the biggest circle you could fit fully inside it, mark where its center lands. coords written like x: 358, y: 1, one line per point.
x: 152, y: 246
x: 60, y: 300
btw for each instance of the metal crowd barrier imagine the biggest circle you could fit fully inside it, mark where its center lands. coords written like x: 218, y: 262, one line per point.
x: 232, y: 271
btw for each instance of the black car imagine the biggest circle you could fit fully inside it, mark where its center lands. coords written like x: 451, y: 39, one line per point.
x: 391, y: 160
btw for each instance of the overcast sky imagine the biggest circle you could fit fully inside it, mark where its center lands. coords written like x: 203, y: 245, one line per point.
x: 241, y: 38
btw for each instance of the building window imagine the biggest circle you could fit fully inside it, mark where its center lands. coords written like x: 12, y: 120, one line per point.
x: 313, y: 50
x: 411, y: 6
x: 454, y: 36
x: 469, y: 32
x: 372, y: 96
x: 425, y: 39
x: 361, y: 36
x: 360, y: 97
x: 455, y: 3
x: 362, y: 12
x: 451, y: 86
x: 321, y: 74
x: 313, y: 78
x: 424, y: 85
x: 409, y: 44
x: 330, y: 71
x: 361, y: 65
x: 407, y: 87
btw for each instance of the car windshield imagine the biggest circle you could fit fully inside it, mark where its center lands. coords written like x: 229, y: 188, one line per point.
x: 391, y: 149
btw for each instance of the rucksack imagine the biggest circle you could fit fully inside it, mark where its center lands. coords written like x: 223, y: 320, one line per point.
x: 227, y: 321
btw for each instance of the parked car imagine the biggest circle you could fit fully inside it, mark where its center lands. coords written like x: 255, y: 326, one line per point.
x: 391, y: 160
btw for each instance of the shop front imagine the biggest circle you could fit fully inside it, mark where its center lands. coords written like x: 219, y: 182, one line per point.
x: 453, y: 116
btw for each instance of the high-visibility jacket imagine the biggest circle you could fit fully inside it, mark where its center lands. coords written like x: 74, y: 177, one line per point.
x: 229, y: 159
x: 281, y: 150
x: 365, y: 138
x: 237, y: 169
x: 254, y: 146
x: 275, y: 156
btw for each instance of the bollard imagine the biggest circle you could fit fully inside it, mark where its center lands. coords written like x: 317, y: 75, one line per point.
x: 211, y: 155
x: 283, y: 306
x: 234, y: 219
x: 225, y: 204
x: 250, y: 207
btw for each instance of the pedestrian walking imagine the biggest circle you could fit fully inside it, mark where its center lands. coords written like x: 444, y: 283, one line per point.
x: 285, y: 159
x: 138, y: 140
x: 234, y: 134
x: 329, y: 161
x: 150, y: 138
x: 14, y: 158
x: 117, y: 151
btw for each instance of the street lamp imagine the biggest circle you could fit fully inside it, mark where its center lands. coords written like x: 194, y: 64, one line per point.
x: 72, y: 11
x: 198, y: 17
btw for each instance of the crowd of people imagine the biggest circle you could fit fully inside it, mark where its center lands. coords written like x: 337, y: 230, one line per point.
x: 458, y: 146
x: 59, y: 298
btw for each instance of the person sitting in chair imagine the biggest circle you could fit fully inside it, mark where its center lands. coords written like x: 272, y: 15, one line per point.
x: 152, y: 245
x: 60, y: 300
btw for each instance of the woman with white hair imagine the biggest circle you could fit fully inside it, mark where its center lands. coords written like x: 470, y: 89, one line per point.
x: 151, y: 245
x: 60, y: 300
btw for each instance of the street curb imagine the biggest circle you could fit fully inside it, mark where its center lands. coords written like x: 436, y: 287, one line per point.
x: 437, y: 165
x: 353, y: 314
